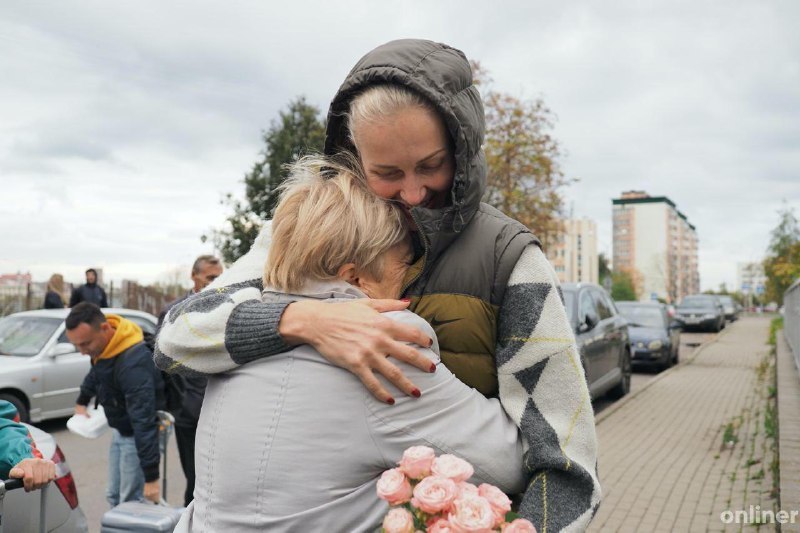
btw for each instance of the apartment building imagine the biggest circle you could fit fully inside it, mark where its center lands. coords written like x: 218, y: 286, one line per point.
x: 750, y: 278
x: 656, y: 244
x: 574, y: 255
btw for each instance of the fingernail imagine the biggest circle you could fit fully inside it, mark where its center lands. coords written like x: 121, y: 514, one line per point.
x: 433, y: 367
x: 405, y: 300
x: 390, y: 401
x: 416, y: 393
x: 430, y: 343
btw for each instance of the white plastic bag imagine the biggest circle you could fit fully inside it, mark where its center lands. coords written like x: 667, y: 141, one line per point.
x: 92, y: 427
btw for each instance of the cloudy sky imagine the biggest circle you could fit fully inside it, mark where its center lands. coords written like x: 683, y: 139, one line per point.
x: 122, y: 124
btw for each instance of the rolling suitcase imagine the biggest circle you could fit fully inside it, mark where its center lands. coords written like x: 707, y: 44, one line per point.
x: 141, y: 516
x: 12, y: 484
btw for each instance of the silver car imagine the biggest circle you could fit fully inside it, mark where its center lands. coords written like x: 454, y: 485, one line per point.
x: 40, y: 370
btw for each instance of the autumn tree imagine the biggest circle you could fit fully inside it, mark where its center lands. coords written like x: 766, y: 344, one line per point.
x: 622, y: 286
x: 298, y: 130
x: 782, y: 264
x: 525, y: 177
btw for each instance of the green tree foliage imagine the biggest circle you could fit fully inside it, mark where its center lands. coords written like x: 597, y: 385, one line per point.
x: 782, y: 264
x: 525, y: 177
x: 299, y: 130
x: 622, y: 287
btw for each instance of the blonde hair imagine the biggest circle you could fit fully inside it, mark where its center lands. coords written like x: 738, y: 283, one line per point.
x: 380, y: 101
x: 56, y: 284
x: 326, y: 218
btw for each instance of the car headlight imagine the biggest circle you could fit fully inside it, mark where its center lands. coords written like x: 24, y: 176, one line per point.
x: 655, y: 345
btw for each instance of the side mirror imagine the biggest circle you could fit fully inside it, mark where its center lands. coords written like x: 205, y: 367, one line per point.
x: 62, y: 348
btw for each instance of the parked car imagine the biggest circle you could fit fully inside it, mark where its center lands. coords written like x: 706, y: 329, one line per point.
x: 602, y: 335
x: 701, y: 311
x: 730, y: 306
x: 655, y: 337
x: 40, y: 370
x: 21, y: 510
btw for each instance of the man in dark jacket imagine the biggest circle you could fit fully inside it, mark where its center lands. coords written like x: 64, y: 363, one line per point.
x: 206, y: 269
x: 90, y: 292
x: 125, y: 382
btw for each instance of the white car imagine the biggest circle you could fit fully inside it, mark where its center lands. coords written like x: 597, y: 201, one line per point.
x: 40, y: 370
x: 21, y: 510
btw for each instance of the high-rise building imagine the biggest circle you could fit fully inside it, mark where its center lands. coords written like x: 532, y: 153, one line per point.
x: 656, y: 245
x: 574, y: 255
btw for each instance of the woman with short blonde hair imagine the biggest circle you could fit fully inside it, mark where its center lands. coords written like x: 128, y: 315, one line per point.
x: 293, y: 443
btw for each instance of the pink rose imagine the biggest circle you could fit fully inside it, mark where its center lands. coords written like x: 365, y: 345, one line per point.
x: 498, y: 500
x: 393, y: 486
x: 398, y: 520
x: 453, y: 467
x: 471, y: 514
x: 467, y: 488
x: 520, y: 525
x: 434, y: 494
x: 440, y: 525
x: 416, y: 461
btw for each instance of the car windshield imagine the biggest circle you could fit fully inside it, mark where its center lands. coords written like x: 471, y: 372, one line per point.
x: 699, y: 301
x: 569, y: 301
x: 726, y: 300
x: 639, y: 315
x: 25, y: 336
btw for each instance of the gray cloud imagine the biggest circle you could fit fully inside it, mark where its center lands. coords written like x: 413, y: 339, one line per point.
x: 125, y: 123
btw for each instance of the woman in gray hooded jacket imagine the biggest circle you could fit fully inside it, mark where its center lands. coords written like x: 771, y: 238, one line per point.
x: 412, y: 115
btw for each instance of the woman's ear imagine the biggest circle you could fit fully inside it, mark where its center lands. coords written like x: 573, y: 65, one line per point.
x: 347, y: 272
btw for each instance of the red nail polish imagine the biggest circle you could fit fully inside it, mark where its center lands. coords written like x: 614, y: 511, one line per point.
x: 390, y: 401
x: 416, y: 393
x: 433, y: 368
x: 405, y: 300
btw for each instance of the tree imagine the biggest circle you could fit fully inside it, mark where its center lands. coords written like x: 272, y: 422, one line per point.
x: 622, y: 287
x: 603, y: 270
x: 782, y: 264
x: 522, y: 156
x: 297, y: 131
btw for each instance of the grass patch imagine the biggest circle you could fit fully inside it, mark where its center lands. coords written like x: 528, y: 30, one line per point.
x: 771, y: 421
x: 775, y: 326
x: 729, y: 437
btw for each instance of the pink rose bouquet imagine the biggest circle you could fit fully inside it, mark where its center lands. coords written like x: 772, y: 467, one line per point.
x: 429, y: 493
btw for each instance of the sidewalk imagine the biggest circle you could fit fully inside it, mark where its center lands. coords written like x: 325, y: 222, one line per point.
x: 789, y: 430
x: 663, y: 464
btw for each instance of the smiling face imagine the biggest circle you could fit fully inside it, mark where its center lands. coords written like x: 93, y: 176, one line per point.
x: 407, y: 158
x: 89, y: 339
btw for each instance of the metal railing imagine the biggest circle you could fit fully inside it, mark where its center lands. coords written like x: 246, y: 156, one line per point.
x: 791, y: 320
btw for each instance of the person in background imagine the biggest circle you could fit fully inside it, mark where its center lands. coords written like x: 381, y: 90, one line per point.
x: 206, y: 269
x: 90, y: 292
x: 125, y: 382
x: 19, y: 457
x: 54, y: 298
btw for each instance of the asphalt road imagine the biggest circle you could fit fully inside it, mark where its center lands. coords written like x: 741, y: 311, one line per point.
x: 88, y: 459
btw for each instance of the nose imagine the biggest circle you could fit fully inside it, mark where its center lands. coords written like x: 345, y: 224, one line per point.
x: 413, y: 192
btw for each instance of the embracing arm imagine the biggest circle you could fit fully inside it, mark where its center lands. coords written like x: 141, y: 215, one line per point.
x: 227, y: 325
x: 543, y: 388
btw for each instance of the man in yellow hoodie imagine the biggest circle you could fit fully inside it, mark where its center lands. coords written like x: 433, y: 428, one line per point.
x: 125, y: 382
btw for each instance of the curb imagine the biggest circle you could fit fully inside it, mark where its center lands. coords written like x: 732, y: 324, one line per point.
x: 619, y: 404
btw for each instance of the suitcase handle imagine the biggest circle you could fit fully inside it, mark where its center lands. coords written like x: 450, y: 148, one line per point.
x: 12, y: 484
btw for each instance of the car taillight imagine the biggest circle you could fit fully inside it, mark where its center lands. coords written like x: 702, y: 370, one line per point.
x: 64, y: 480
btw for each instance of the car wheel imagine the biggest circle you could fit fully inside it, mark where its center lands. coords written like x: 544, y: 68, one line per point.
x: 18, y: 404
x: 624, y: 386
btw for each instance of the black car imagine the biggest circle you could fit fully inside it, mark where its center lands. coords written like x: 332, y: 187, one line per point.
x: 655, y: 338
x: 701, y: 311
x: 602, y: 335
x: 731, y: 307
